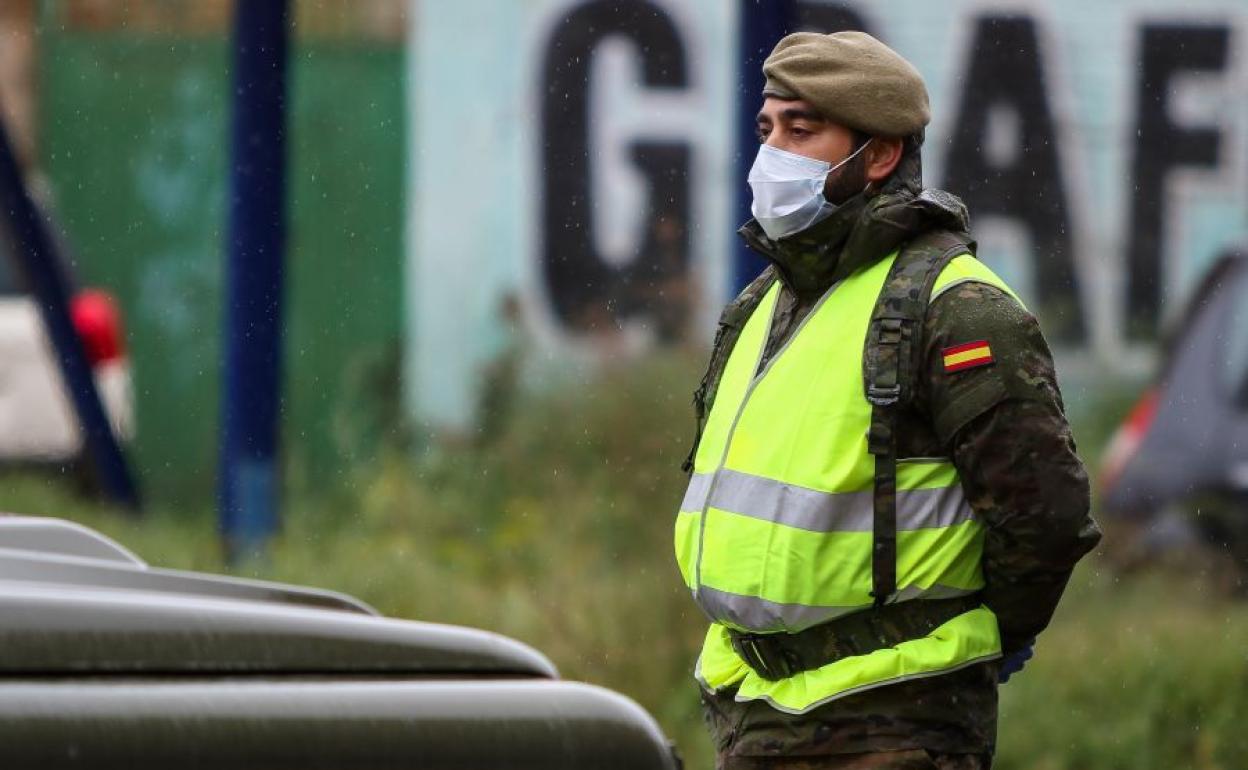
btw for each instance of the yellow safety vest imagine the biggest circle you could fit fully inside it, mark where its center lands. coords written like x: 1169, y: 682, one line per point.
x: 774, y: 534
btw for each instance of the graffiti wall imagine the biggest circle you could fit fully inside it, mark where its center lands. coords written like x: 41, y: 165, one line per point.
x: 574, y: 161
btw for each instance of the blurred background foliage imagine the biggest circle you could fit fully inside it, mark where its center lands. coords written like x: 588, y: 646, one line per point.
x: 556, y: 530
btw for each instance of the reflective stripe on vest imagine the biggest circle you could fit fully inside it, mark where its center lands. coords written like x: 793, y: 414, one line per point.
x: 920, y: 507
x: 775, y: 530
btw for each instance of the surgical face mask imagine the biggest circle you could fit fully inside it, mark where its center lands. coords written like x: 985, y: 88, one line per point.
x: 788, y: 190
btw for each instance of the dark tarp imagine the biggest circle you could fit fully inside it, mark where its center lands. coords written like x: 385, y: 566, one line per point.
x: 1189, y: 435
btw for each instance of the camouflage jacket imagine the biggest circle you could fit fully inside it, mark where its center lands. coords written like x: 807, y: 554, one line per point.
x: 1005, y: 429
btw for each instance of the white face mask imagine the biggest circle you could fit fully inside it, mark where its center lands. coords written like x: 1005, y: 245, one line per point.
x: 788, y: 190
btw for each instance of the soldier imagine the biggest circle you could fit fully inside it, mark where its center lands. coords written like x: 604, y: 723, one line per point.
x: 885, y: 501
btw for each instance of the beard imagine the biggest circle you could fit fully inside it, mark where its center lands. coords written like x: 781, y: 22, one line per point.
x: 847, y: 181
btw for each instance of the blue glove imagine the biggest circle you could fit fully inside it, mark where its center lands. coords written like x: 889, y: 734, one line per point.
x: 1014, y: 662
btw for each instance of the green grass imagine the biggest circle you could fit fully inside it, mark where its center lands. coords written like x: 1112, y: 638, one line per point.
x: 1144, y: 673
x: 558, y: 533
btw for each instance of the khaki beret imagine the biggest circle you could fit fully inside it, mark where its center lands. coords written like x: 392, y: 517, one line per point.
x: 851, y: 78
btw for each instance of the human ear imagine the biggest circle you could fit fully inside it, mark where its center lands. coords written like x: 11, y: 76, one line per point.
x: 882, y: 157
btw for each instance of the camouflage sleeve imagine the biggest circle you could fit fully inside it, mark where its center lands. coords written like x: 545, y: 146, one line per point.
x: 1003, y: 423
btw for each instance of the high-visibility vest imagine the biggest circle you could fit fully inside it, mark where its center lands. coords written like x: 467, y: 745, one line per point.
x: 774, y: 534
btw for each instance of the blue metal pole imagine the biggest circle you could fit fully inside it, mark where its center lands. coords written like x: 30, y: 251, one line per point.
x: 43, y: 268
x: 248, y: 483
x: 762, y: 24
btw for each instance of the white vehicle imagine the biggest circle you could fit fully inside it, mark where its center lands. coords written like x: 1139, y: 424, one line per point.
x: 38, y: 423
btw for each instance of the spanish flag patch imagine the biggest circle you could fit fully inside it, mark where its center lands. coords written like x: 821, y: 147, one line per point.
x: 966, y: 356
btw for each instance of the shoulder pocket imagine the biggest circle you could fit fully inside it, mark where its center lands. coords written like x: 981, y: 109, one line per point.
x: 972, y: 393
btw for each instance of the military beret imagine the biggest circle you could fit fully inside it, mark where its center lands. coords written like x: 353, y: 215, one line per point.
x: 852, y: 79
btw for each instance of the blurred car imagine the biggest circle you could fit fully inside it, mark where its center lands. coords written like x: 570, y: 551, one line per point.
x: 1175, y: 474
x: 38, y: 423
x: 110, y: 663
x: 1188, y: 433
